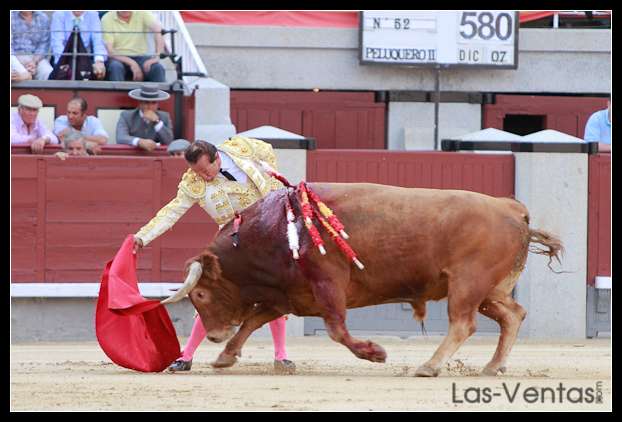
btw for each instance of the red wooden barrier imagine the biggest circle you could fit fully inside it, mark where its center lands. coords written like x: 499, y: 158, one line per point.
x: 599, y: 217
x: 492, y: 174
x: 112, y: 149
x: 68, y: 218
x: 334, y: 119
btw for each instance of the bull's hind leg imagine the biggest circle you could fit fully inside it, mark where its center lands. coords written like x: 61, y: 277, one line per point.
x: 462, y: 303
x: 332, y: 304
x: 509, y: 315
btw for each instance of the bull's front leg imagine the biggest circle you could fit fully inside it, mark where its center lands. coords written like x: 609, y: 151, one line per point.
x: 233, y: 349
x: 332, y: 303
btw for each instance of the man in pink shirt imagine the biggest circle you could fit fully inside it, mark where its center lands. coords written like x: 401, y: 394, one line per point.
x: 27, y: 128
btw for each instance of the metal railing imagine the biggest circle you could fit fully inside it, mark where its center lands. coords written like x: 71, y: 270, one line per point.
x: 193, y: 66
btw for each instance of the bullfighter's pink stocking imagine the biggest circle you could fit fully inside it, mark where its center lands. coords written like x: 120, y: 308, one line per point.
x: 277, y: 327
x: 196, y: 337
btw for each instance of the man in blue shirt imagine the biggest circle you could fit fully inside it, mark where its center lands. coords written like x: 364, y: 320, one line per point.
x: 76, y: 119
x: 598, y: 128
x: 89, y: 26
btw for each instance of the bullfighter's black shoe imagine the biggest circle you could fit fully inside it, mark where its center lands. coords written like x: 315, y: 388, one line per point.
x: 284, y: 367
x: 180, y: 365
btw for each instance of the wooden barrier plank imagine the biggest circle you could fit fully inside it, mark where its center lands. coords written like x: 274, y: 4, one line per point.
x: 491, y: 174
x: 120, y: 189
x: 599, y: 217
x: 133, y: 213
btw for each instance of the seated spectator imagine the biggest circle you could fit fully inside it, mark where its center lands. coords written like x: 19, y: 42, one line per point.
x: 129, y: 56
x: 89, y: 25
x: 598, y: 128
x: 145, y: 127
x: 77, y: 119
x: 74, y: 145
x: 30, y: 41
x: 18, y: 71
x: 177, y: 147
x: 27, y: 128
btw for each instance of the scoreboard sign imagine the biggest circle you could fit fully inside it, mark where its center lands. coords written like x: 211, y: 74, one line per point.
x: 474, y: 38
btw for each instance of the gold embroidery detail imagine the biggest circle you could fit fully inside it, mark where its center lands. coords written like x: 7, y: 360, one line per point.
x: 238, y: 146
x: 192, y: 184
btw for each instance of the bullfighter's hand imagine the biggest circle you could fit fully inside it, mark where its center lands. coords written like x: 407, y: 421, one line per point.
x: 138, y: 244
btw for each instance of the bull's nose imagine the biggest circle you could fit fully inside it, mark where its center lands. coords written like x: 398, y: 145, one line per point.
x: 214, y: 339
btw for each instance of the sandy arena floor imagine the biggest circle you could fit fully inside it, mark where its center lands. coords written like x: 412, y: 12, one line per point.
x: 79, y: 376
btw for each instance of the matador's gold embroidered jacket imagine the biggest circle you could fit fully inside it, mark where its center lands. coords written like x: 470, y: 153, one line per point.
x: 220, y: 198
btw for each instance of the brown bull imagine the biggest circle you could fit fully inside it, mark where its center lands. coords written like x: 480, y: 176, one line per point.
x: 416, y: 244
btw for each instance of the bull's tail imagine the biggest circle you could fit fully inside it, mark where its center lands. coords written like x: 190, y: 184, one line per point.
x: 552, y: 246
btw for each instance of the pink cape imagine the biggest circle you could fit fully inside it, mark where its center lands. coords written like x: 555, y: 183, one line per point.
x: 134, y: 332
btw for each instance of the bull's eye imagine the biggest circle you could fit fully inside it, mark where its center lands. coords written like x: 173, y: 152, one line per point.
x: 200, y: 295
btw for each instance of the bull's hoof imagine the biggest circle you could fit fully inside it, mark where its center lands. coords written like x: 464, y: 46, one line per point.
x: 224, y: 361
x: 284, y: 367
x: 491, y: 371
x: 371, y: 352
x: 426, y: 371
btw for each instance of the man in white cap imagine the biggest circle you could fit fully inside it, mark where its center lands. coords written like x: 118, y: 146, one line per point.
x: 177, y: 147
x: 27, y: 128
x: 145, y: 127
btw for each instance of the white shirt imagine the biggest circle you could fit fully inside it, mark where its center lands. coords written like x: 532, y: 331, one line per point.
x: 227, y: 164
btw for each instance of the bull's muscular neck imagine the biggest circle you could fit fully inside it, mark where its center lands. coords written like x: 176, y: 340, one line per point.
x: 255, y: 265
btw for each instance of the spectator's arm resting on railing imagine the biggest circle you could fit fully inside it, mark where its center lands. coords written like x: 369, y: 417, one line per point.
x: 159, y: 45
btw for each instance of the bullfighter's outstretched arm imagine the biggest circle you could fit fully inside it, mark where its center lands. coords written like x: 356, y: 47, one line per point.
x: 166, y: 217
x: 191, y: 189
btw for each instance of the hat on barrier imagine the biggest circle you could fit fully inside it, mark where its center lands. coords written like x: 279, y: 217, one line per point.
x: 178, y: 145
x: 149, y: 93
x: 29, y: 100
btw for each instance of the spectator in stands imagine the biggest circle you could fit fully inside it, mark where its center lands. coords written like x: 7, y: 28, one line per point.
x: 30, y: 41
x: 18, y: 71
x: 598, y: 128
x: 177, y: 147
x: 129, y: 51
x: 26, y: 127
x: 74, y: 145
x: 76, y: 119
x: 89, y: 25
x: 145, y: 127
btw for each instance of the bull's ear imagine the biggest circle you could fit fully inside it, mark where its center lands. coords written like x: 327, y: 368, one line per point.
x: 210, y: 264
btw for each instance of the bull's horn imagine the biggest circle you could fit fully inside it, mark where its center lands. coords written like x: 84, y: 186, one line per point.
x: 194, y: 273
